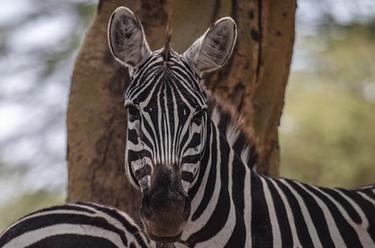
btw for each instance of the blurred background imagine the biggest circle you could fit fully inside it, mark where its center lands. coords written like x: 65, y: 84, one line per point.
x: 327, y: 133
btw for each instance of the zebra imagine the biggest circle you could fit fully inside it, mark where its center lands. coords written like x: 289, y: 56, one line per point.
x: 77, y: 225
x: 197, y: 190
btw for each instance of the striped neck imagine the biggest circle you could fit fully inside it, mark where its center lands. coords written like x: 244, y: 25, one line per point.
x: 231, y: 125
x: 215, y: 198
x: 233, y: 206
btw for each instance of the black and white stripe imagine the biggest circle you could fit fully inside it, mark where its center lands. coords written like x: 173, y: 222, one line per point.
x: 78, y: 225
x: 233, y: 206
x: 161, y: 102
x: 179, y: 135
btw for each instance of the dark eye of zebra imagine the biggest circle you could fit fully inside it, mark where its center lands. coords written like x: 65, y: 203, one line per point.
x: 197, y: 118
x: 133, y: 112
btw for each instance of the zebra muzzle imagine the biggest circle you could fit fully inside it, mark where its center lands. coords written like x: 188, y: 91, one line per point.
x: 164, y: 212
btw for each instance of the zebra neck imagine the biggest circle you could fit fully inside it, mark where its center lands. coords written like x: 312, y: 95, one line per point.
x: 218, y: 215
x: 232, y: 127
x: 233, y: 206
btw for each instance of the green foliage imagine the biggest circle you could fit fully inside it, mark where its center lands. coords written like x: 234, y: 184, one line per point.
x: 328, y: 125
x: 26, y: 203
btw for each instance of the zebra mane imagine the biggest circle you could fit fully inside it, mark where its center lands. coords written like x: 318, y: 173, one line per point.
x: 232, y: 126
x: 167, y: 45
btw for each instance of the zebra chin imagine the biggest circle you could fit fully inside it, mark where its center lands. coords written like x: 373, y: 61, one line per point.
x: 165, y: 228
x: 164, y: 235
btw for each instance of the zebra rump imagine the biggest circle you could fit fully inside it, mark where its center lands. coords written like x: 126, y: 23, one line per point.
x: 75, y: 225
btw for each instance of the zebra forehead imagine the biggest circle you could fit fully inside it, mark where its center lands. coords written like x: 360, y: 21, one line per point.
x: 155, y: 81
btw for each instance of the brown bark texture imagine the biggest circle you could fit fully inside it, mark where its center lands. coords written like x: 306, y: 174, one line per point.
x: 254, y: 80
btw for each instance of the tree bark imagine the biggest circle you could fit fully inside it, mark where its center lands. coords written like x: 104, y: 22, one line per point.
x: 254, y: 80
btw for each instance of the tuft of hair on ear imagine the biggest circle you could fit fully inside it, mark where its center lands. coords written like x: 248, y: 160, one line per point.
x: 167, y: 45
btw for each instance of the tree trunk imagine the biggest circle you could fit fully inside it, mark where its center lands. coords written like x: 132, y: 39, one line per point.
x: 254, y: 80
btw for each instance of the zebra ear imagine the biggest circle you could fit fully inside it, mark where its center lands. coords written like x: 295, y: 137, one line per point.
x: 213, y: 49
x: 126, y: 38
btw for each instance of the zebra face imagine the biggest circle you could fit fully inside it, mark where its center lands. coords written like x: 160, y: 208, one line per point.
x: 166, y: 137
x: 166, y: 124
x: 167, y: 117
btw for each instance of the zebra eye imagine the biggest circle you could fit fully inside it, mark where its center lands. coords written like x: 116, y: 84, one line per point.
x: 197, y: 118
x: 132, y: 111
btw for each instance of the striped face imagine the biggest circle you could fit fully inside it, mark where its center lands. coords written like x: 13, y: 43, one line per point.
x: 167, y: 117
x: 166, y: 120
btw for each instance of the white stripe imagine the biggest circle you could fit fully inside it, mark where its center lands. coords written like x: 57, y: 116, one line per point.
x: 160, y: 127
x: 44, y: 213
x: 276, y: 235
x: 245, y: 154
x: 222, y: 237
x: 176, y: 126
x: 232, y: 133
x: 306, y: 215
x: 248, y: 207
x: 331, y: 224
x: 360, y: 229
x: 215, y: 116
x: 205, y: 216
x: 111, y: 220
x: 292, y: 224
x: 189, y: 228
x: 363, y: 235
x: 367, y: 197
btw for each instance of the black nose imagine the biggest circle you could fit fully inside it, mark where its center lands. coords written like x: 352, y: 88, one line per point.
x: 162, y: 201
x: 165, y: 199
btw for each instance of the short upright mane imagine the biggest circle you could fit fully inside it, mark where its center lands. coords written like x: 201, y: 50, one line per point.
x: 230, y: 124
x: 167, y: 45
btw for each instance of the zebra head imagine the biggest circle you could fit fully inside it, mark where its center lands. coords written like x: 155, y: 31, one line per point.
x: 167, y: 116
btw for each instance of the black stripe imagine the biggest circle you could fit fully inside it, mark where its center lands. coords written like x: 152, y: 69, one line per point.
x: 114, y: 214
x: 145, y: 170
x: 260, y: 219
x: 210, y: 184
x: 317, y: 215
x: 203, y: 165
x: 71, y: 207
x: 367, y: 208
x: 345, y: 204
x: 238, y: 237
x: 302, y: 231
x: 220, y: 213
x: 369, y: 193
x: 72, y: 240
x: 347, y: 232
x: 281, y: 215
x: 35, y: 223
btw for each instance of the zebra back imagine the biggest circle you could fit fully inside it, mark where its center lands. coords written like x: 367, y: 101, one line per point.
x: 75, y: 225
